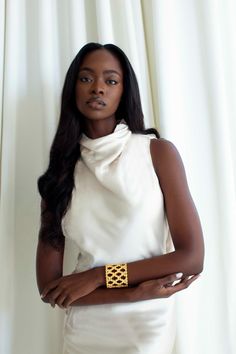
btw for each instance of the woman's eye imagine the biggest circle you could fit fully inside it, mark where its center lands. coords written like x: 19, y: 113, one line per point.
x: 112, y: 82
x: 84, y: 79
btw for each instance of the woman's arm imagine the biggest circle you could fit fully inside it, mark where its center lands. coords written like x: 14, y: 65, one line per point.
x: 49, y: 264
x: 182, y: 217
x: 49, y: 261
x: 152, y: 289
x: 67, y: 291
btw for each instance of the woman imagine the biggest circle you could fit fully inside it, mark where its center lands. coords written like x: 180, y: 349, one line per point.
x: 120, y: 192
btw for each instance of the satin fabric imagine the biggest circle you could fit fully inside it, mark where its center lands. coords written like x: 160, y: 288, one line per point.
x: 117, y: 215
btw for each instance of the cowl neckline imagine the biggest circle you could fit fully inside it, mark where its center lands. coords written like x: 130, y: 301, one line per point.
x: 106, y: 149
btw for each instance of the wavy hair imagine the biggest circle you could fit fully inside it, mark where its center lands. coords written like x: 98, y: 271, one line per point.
x: 56, y: 184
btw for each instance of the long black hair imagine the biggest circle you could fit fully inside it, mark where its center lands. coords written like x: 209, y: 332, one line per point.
x: 56, y: 184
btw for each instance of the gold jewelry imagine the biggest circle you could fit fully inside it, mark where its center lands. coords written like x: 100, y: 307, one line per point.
x: 116, y: 275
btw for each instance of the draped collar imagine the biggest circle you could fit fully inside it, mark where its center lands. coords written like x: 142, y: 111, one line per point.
x: 106, y: 149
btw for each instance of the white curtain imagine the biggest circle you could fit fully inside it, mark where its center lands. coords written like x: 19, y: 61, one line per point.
x: 184, y: 55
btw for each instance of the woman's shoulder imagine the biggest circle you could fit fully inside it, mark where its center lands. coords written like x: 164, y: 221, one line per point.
x: 165, y: 156
x: 162, y: 146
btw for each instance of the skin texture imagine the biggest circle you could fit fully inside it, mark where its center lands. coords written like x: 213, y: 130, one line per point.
x: 149, y: 278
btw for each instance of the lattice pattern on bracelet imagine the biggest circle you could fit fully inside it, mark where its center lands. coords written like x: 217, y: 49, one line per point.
x: 116, y: 275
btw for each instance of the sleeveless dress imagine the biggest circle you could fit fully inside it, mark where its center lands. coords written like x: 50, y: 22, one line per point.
x: 117, y: 215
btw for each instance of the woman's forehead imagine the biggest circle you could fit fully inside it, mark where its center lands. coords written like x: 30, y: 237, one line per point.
x: 101, y: 59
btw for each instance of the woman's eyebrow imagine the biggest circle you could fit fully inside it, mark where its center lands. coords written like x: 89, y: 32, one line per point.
x: 111, y: 71
x: 86, y: 69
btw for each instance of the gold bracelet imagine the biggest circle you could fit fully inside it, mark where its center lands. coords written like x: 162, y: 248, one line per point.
x: 116, y: 275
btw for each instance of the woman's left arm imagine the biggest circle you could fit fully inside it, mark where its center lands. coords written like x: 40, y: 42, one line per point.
x: 182, y: 216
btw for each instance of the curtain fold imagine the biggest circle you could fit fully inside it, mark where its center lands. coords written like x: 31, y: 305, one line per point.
x: 6, y: 208
x: 184, y: 54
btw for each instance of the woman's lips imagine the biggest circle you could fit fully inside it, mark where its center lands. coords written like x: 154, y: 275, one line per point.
x: 96, y: 103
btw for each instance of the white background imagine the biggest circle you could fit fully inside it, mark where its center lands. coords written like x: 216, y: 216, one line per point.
x: 184, y: 54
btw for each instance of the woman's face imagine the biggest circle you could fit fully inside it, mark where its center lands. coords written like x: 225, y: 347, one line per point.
x: 99, y: 85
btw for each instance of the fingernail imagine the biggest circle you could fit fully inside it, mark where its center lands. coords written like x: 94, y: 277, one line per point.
x: 41, y: 295
x: 179, y: 275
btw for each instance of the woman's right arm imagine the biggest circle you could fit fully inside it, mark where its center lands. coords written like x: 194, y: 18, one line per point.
x: 49, y: 261
x: 49, y: 265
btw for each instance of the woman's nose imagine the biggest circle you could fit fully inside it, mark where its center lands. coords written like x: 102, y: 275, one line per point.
x: 97, y: 87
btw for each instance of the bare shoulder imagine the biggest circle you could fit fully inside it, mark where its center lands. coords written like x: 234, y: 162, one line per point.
x: 165, y: 156
x: 163, y: 146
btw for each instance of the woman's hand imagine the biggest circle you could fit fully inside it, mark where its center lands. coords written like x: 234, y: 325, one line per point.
x: 67, y: 289
x: 162, y: 288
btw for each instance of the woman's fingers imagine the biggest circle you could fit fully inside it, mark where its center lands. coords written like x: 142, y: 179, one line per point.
x: 71, y: 287
x: 164, y: 287
x: 50, y: 301
x: 66, y: 298
x: 68, y: 301
x: 188, y: 280
x: 169, y: 279
x: 49, y: 287
x: 56, y: 293
x: 183, y: 284
x: 58, y: 290
x: 60, y: 300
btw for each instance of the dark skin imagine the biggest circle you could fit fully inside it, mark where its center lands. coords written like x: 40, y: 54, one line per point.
x: 101, y: 77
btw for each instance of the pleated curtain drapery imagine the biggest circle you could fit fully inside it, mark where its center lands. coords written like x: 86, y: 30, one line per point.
x: 184, y: 55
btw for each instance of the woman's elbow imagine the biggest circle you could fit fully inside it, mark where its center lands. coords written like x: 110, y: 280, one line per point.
x: 198, y: 268
x: 196, y: 263
x: 195, y: 257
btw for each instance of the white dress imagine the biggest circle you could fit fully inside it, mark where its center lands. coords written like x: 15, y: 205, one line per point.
x: 117, y: 215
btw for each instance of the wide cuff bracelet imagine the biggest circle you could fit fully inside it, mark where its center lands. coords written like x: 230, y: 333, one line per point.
x: 116, y: 275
